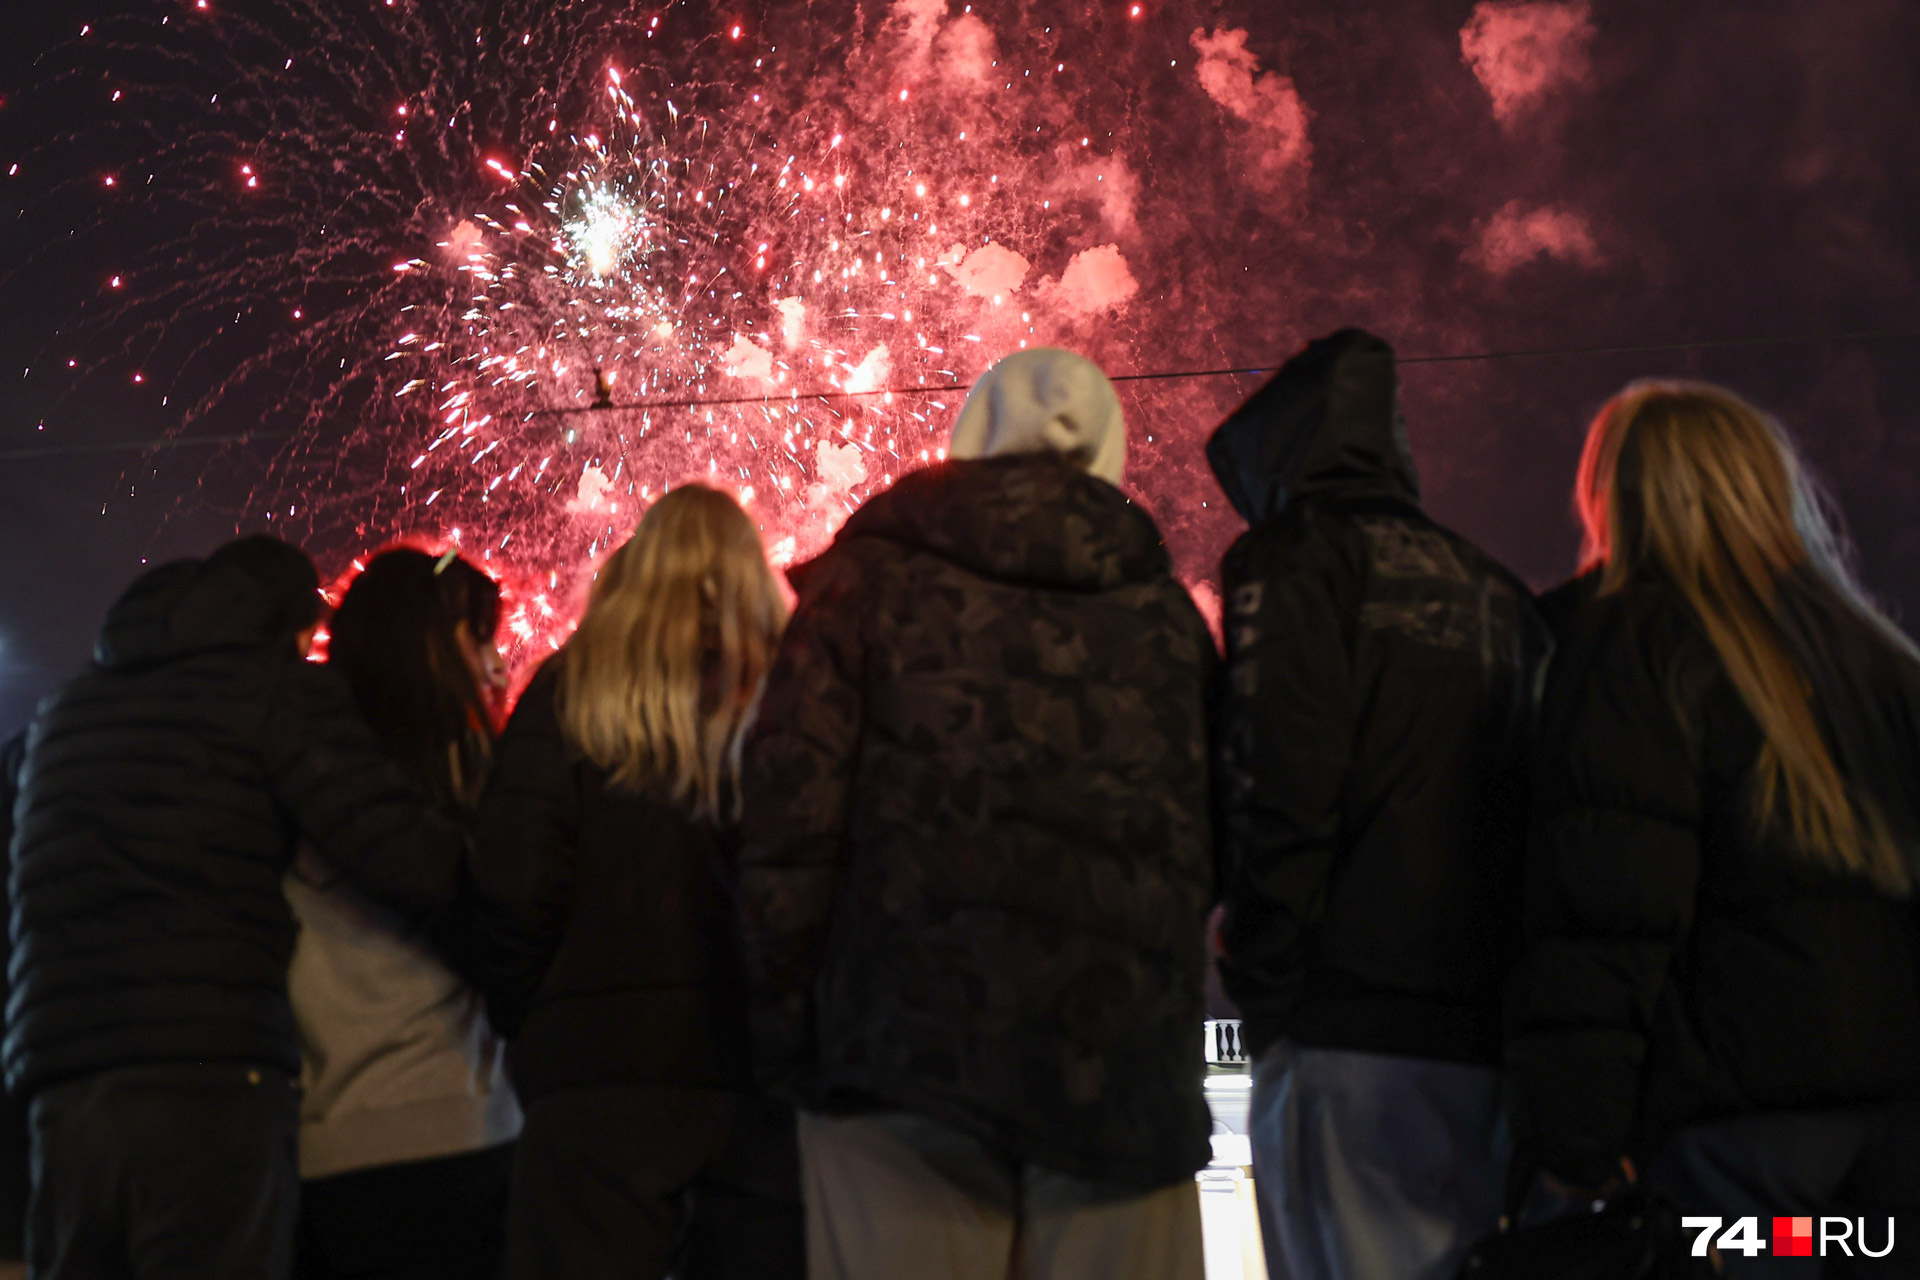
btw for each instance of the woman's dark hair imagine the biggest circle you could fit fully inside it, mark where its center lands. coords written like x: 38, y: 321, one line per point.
x: 395, y: 639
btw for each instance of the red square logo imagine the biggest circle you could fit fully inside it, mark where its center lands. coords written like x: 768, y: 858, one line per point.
x: 1793, y: 1237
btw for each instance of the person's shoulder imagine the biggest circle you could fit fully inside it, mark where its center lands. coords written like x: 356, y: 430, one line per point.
x: 544, y: 684
x: 1560, y: 607
x: 297, y: 675
x: 285, y: 686
x: 537, y: 709
x: 844, y: 567
x: 1641, y: 630
x: 1649, y: 608
x: 1312, y: 528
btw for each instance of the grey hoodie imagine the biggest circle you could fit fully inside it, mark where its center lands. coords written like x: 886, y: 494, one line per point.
x: 397, y: 1062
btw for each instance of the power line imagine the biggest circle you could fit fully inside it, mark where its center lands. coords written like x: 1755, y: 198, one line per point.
x: 796, y: 397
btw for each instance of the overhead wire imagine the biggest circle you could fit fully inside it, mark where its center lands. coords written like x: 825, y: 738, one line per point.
x: 792, y: 398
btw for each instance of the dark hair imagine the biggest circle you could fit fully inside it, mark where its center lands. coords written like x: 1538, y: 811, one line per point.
x: 283, y: 570
x: 394, y: 639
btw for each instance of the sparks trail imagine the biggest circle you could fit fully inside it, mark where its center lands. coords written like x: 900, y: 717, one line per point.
x: 387, y: 236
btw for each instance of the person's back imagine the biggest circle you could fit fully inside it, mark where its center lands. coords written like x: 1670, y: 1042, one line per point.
x: 977, y: 862
x: 611, y: 956
x: 163, y: 794
x: 1372, y: 745
x: 407, y: 1118
x: 1756, y: 938
x: 1723, y: 979
x: 604, y: 926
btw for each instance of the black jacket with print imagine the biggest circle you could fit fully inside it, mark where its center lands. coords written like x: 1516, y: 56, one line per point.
x: 1372, y: 738
x: 977, y: 864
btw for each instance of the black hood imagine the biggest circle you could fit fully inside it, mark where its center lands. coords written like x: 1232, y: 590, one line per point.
x: 190, y: 606
x: 1328, y: 422
x: 1030, y: 519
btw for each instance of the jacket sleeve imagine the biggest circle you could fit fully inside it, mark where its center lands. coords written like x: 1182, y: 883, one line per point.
x: 1285, y: 727
x: 1613, y: 870
x: 525, y: 857
x: 355, y: 805
x: 798, y: 769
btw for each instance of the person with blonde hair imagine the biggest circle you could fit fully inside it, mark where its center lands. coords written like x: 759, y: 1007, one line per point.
x: 1722, y: 986
x: 604, y: 921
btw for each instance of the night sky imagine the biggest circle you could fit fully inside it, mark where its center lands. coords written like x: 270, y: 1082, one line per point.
x: 1696, y: 173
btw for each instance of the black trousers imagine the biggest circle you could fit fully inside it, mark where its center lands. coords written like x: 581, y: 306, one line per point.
x: 441, y: 1219
x: 627, y: 1183
x: 182, y: 1171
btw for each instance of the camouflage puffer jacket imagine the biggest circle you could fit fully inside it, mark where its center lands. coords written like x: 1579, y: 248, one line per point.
x: 977, y: 864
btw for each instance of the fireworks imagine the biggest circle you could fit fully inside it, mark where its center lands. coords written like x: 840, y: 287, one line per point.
x: 513, y: 274
x: 605, y: 232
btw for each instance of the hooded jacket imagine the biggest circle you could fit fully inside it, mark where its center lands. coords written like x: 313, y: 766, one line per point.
x: 1372, y: 735
x: 976, y: 868
x: 163, y: 794
x: 1685, y: 965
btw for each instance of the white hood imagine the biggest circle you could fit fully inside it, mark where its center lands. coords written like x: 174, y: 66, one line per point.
x: 1044, y: 401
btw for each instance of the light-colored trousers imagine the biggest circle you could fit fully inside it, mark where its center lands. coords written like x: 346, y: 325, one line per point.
x: 1370, y: 1167
x: 894, y: 1196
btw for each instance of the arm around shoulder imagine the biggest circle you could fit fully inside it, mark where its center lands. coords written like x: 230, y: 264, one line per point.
x: 351, y: 802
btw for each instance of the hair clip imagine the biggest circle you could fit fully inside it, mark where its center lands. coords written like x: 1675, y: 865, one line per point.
x: 439, y: 566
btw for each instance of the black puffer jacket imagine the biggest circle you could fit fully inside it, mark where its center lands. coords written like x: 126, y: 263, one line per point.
x: 1380, y: 679
x: 606, y: 937
x: 1683, y: 967
x: 977, y: 866
x: 164, y: 792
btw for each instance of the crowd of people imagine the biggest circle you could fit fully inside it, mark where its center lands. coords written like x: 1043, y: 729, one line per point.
x: 870, y: 942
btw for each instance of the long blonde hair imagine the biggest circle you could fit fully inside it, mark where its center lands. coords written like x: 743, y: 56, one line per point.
x: 1689, y: 483
x: 659, y: 682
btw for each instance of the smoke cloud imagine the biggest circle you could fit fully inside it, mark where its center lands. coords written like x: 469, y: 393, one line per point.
x: 593, y: 498
x: 912, y: 25
x: 838, y: 468
x: 1523, y: 53
x: 872, y: 371
x: 964, y: 52
x: 1109, y: 185
x: 1517, y: 235
x: 793, y: 321
x: 989, y: 271
x: 1095, y: 280
x: 747, y: 359
x: 1269, y: 103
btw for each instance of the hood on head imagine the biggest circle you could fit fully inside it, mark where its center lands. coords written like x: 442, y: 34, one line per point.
x: 1328, y: 422
x: 1044, y: 401
x: 189, y: 606
x: 1030, y: 519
